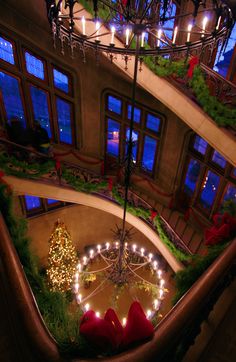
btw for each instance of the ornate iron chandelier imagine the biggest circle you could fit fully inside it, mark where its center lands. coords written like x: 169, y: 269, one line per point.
x: 163, y: 27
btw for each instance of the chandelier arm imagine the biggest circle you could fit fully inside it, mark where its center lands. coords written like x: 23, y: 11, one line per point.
x: 107, y: 259
x: 96, y: 271
x: 140, y: 266
x: 146, y: 10
x: 95, y: 291
x: 139, y: 277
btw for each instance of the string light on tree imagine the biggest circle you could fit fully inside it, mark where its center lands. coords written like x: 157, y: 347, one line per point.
x: 62, y: 260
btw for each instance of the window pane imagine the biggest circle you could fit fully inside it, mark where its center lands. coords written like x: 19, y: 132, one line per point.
x: 34, y: 65
x: 230, y: 193
x: 61, y: 80
x: 234, y: 172
x: 200, y: 145
x: 40, y: 108
x: 114, y: 104
x: 169, y: 24
x: 153, y: 122
x: 209, y: 190
x: 135, y: 143
x: 32, y: 202
x: 113, y: 136
x: 191, y: 178
x: 222, y: 61
x: 137, y: 114
x: 11, y: 97
x: 220, y: 160
x: 149, y: 151
x: 6, y: 51
x: 64, y: 120
x: 51, y: 201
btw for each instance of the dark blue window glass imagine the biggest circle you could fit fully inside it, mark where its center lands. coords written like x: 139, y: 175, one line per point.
x: 230, y: 193
x: 192, y: 175
x: 137, y: 114
x: 114, y: 104
x: 32, y: 202
x: 10, y: 89
x: 64, y: 120
x: 51, y: 201
x: 220, y: 160
x: 113, y: 137
x: 34, y: 66
x: 234, y: 172
x: 61, y: 80
x: 149, y: 151
x: 223, y: 59
x: 200, y: 145
x: 169, y: 24
x: 209, y: 190
x: 40, y: 108
x: 6, y: 51
x: 153, y: 122
x: 134, y: 142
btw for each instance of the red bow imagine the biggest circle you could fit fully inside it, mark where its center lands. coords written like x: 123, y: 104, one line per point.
x: 192, y: 64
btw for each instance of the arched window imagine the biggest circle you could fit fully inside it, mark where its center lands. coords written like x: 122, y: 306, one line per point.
x: 209, y: 180
x: 224, y: 56
x: 145, y: 136
x: 32, y: 88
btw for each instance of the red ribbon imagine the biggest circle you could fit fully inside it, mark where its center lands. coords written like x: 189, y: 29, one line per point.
x: 110, y: 184
x: 193, y: 62
x: 153, y: 214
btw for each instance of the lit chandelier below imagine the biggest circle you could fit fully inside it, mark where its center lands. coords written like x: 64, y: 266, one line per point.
x: 138, y: 270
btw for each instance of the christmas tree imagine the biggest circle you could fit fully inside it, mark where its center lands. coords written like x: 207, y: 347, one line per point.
x: 62, y: 259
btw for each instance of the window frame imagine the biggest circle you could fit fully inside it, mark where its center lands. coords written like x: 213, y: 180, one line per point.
x: 30, y: 75
x: 206, y: 163
x: 16, y: 63
x: 70, y: 82
x: 140, y: 128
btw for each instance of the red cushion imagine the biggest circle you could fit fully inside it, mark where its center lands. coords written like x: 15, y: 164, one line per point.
x: 112, y: 318
x: 98, y: 331
x: 138, y: 327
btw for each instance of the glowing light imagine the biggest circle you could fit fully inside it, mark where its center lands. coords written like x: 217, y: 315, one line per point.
x: 97, y: 314
x: 159, y: 272
x: 79, y: 267
x: 142, y: 40
x: 150, y: 255
x: 175, y: 34
x: 127, y: 32
x: 189, y: 32
x: 204, y: 23
x: 97, y: 27
x: 155, y: 265
x: 117, y: 244
x: 83, y: 25
x: 107, y: 245
x: 99, y: 248
x: 162, y: 282
x: 76, y: 276
x: 76, y: 287
x: 85, y: 260
x: 112, y: 34
x: 124, y: 321
x: 91, y: 253
x: 159, y: 37
x: 87, y: 306
x: 149, y: 313
x: 155, y: 303
x: 79, y: 298
x: 161, y: 292
x: 142, y: 251
x: 134, y: 247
